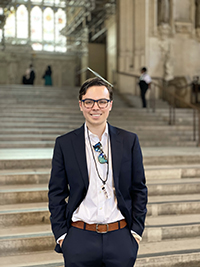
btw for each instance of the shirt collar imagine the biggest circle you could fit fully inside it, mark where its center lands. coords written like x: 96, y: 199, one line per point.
x: 105, y: 133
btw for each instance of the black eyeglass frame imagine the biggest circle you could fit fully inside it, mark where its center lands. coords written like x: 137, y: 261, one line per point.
x: 96, y: 101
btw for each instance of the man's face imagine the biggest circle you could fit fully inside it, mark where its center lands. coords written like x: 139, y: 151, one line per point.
x: 96, y: 116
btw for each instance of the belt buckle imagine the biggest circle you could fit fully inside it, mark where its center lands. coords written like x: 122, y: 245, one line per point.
x: 97, y: 225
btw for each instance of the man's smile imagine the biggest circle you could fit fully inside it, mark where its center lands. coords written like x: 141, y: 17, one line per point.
x: 95, y: 115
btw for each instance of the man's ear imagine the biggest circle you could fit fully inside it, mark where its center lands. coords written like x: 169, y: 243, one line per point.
x: 80, y: 105
x: 111, y: 103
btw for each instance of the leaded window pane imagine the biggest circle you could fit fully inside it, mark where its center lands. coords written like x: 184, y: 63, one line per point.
x: 48, y: 16
x: 22, y: 22
x: 60, y: 22
x: 9, y: 28
x: 36, y: 24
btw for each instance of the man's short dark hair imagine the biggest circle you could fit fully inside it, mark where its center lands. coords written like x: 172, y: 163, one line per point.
x: 94, y: 82
x: 144, y: 69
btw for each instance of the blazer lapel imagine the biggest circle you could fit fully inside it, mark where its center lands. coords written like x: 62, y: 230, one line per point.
x: 116, y: 148
x: 79, y: 149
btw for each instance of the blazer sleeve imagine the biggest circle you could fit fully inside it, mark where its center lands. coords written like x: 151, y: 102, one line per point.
x: 58, y: 192
x: 138, y: 190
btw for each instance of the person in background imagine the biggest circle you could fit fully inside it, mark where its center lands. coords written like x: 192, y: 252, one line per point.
x: 29, y: 77
x: 97, y: 192
x: 47, y: 76
x: 145, y: 84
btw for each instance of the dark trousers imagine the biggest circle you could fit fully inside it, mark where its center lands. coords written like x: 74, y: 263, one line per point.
x: 143, y: 89
x: 143, y: 92
x: 83, y: 248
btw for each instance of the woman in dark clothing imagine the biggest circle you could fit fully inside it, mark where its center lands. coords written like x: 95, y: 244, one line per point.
x: 47, y: 76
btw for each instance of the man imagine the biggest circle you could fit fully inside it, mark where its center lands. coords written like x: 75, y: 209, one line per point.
x: 97, y: 192
x: 144, y: 83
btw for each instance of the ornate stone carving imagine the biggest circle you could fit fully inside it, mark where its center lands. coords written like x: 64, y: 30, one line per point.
x: 164, y: 30
x: 168, y: 65
x: 184, y: 27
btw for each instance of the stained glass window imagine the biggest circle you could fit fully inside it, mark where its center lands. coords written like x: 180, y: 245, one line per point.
x: 60, y: 22
x: 48, y: 2
x: 36, y: 24
x: 9, y: 28
x: 36, y: 1
x: 48, y: 20
x: 22, y: 22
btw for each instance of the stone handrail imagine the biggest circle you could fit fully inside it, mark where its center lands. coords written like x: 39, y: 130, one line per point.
x: 196, y: 111
x: 174, y: 97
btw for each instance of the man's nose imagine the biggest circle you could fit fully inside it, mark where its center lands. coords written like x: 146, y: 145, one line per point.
x: 95, y: 105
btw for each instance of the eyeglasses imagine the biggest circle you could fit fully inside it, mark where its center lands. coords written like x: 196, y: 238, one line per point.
x: 102, y: 157
x: 102, y: 103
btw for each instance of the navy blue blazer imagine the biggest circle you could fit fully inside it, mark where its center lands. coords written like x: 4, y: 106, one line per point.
x: 69, y: 179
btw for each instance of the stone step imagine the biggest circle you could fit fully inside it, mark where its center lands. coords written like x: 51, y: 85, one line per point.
x: 133, y: 127
x: 62, y: 130
x: 76, y: 124
x: 152, y: 254
x: 34, y: 259
x: 165, y: 158
x: 183, y: 187
x: 159, y: 204
x: 173, y: 204
x: 14, y: 177
x: 7, y: 164
x: 24, y: 214
x: 160, y: 228
x: 162, y: 186
x: 179, y: 175
x: 171, y: 172
x: 23, y: 194
x: 170, y: 253
x: 41, y: 158
x: 51, y: 137
x: 21, y: 240
x: 41, y: 124
x: 50, y: 144
x: 168, y: 143
x: 180, y: 258
x: 27, y: 144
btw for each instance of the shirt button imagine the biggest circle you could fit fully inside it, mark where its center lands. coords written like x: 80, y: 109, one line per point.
x: 100, y: 208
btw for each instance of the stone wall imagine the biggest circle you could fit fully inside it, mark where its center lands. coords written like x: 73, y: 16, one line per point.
x: 14, y: 60
x: 163, y: 35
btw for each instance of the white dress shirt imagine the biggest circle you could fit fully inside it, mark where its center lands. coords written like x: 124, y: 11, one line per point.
x: 95, y: 207
x: 145, y: 77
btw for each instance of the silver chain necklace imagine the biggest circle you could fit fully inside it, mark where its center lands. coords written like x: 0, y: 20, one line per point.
x: 103, y: 181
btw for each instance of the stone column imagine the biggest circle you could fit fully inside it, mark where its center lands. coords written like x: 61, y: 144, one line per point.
x: 140, y: 34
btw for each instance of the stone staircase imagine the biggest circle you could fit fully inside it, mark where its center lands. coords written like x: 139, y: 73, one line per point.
x: 172, y: 234
x: 31, y: 117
